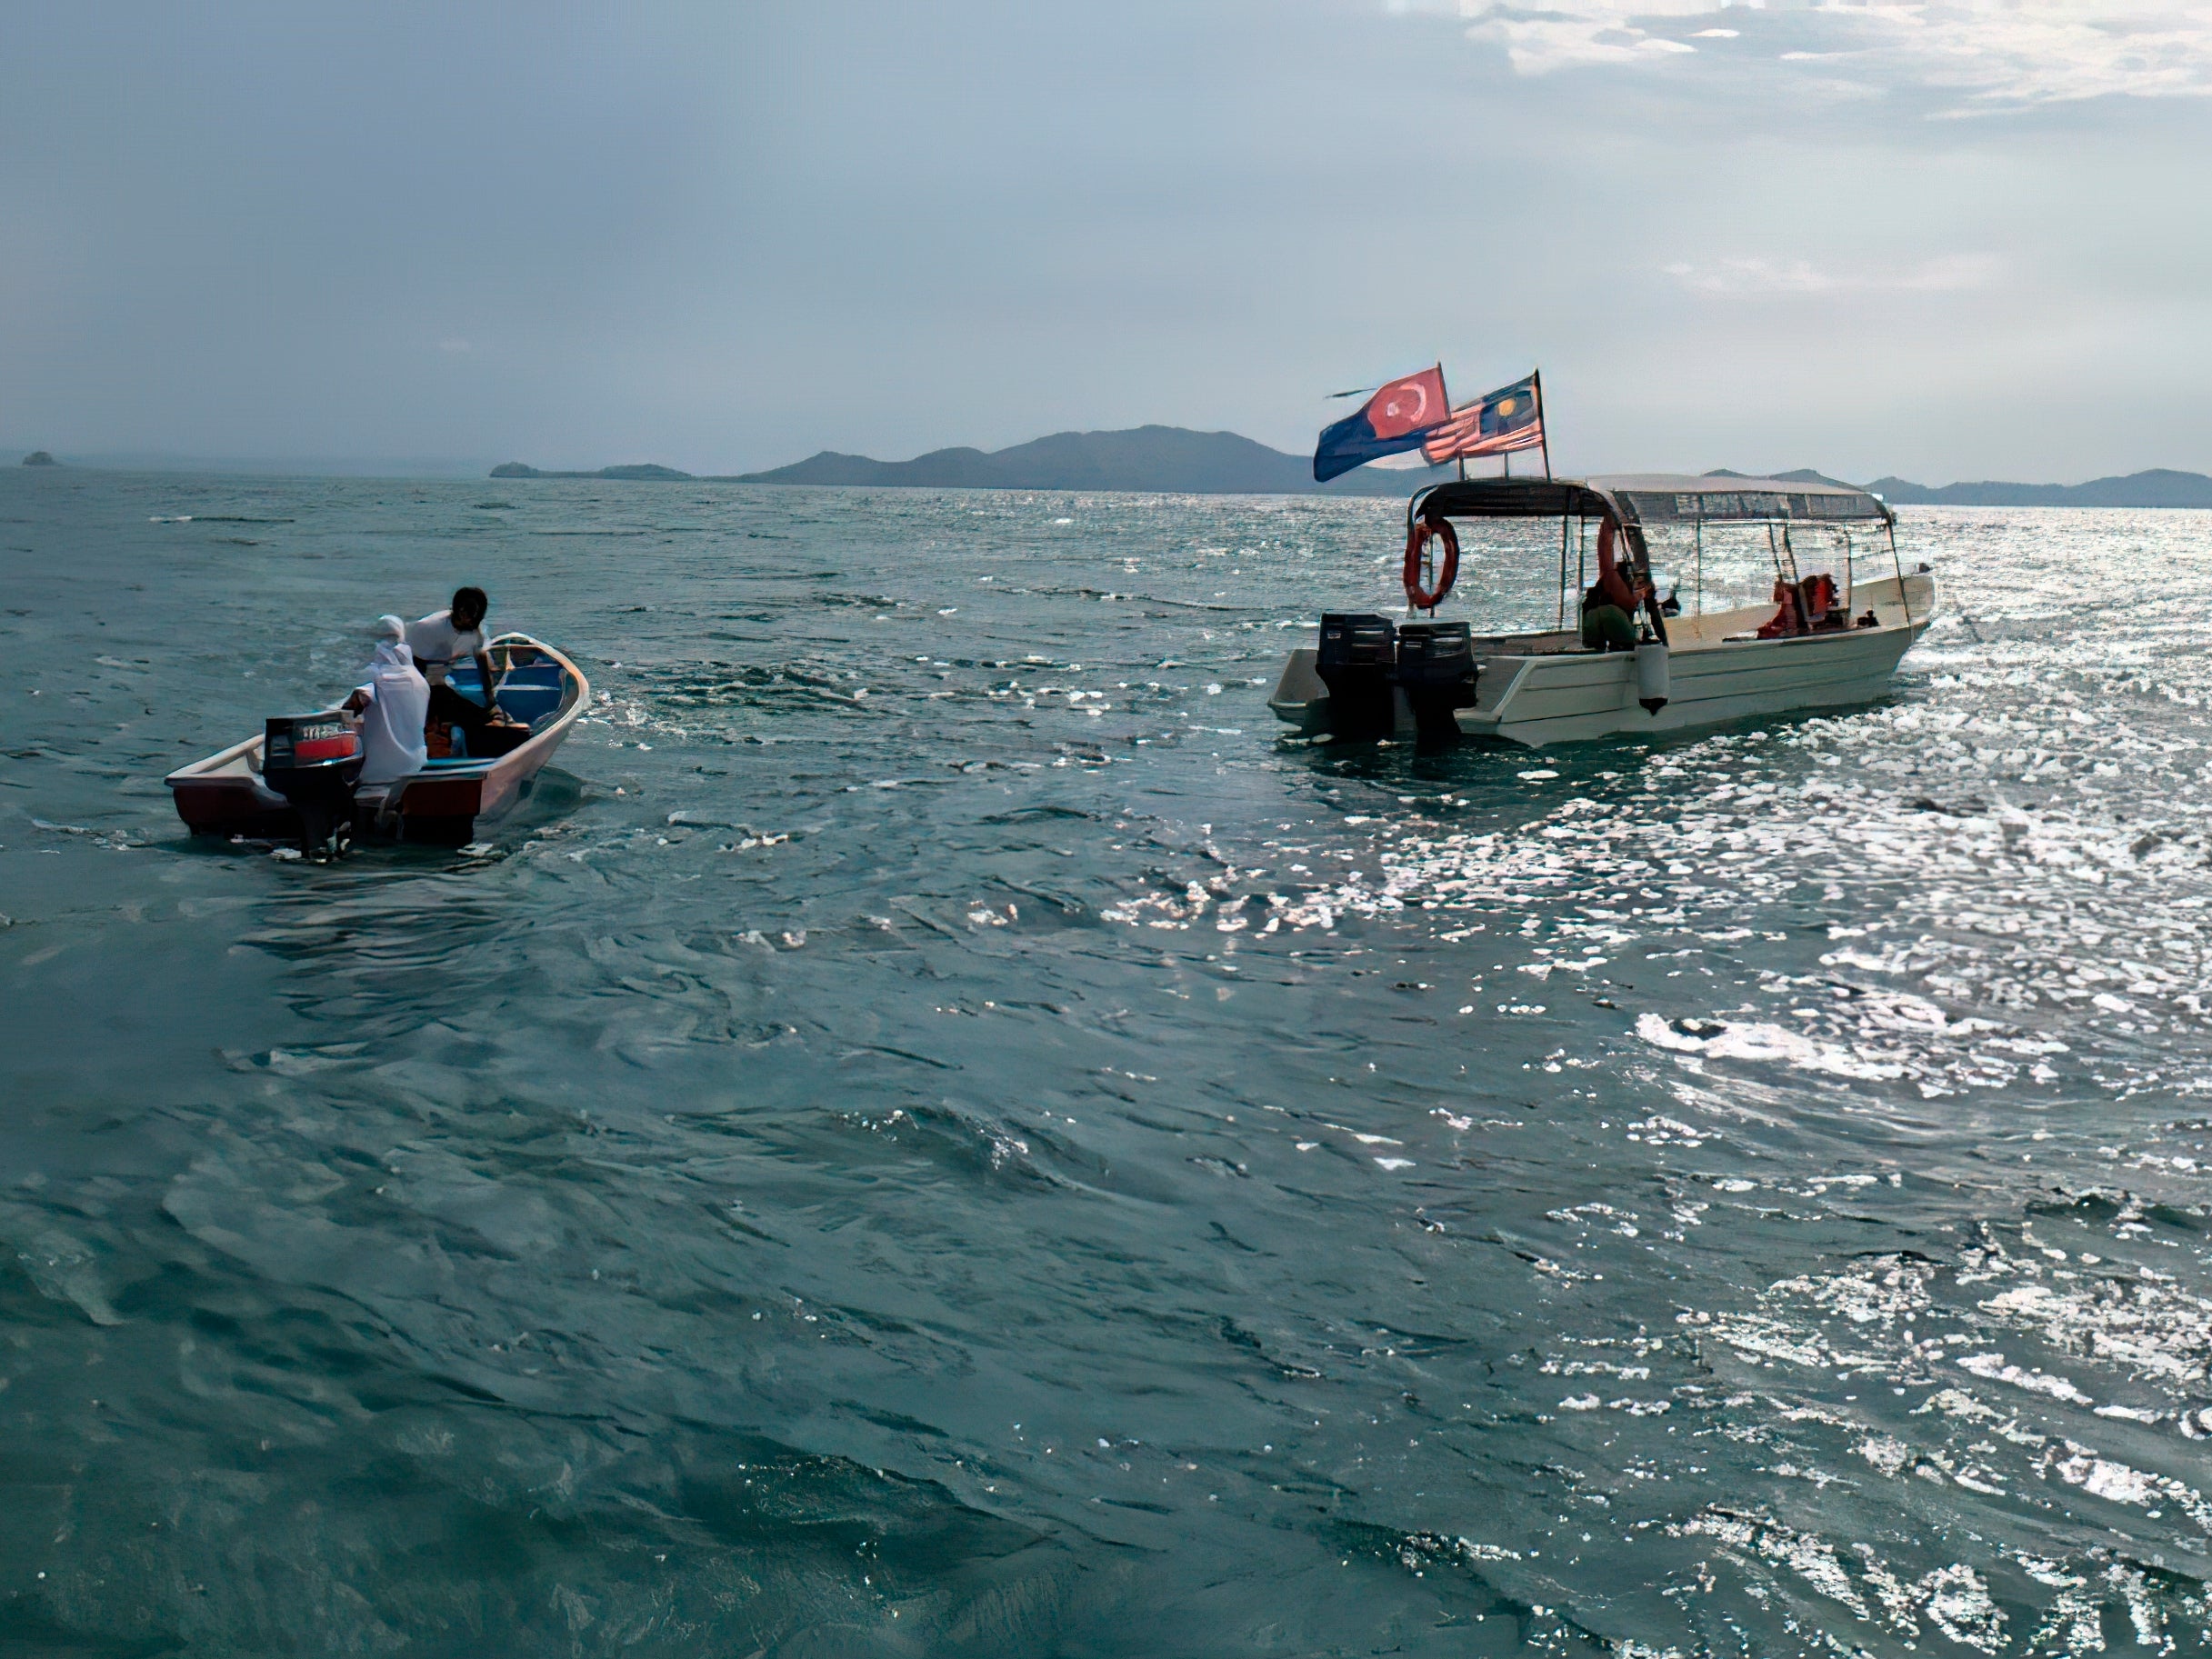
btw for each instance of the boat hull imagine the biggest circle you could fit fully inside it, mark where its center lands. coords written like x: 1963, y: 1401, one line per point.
x: 1539, y: 689
x: 223, y: 795
x: 446, y: 804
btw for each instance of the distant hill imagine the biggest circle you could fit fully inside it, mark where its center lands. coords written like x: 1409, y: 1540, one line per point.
x: 39, y: 457
x: 1166, y: 459
x: 1178, y: 460
x: 1169, y: 459
x: 1145, y: 458
x: 1803, y: 474
x: 2159, y: 488
x: 646, y: 470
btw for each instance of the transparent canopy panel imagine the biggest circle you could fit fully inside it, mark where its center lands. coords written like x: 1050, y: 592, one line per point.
x: 1726, y: 567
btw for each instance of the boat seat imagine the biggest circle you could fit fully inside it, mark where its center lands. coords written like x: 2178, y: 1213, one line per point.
x: 531, y: 692
x: 529, y: 704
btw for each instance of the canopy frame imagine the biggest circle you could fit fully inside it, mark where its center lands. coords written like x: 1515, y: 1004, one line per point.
x: 1633, y: 500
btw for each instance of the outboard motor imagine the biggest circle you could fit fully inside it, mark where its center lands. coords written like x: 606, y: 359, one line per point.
x: 1437, y: 671
x: 314, y: 761
x: 1358, y: 651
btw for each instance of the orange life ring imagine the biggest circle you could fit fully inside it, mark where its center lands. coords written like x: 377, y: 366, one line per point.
x: 1416, y: 550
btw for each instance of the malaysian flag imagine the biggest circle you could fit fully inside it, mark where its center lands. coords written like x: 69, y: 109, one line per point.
x: 1497, y: 423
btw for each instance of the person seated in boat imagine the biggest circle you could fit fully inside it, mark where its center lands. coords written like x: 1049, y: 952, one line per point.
x: 445, y: 638
x: 393, y: 702
x: 1788, y: 620
x: 1609, y: 608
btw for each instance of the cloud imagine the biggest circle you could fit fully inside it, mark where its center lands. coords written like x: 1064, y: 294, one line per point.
x: 1761, y: 278
x: 1568, y: 34
x: 1995, y: 53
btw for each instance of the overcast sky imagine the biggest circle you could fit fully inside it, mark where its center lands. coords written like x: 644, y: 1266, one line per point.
x: 1951, y: 241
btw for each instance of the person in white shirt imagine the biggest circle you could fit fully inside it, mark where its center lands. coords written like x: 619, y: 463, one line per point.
x: 393, y: 702
x: 445, y: 638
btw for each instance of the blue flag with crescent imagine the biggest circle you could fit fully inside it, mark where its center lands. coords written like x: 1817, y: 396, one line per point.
x: 1398, y: 418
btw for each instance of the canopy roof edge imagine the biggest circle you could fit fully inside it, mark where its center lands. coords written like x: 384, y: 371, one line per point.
x: 1652, y: 498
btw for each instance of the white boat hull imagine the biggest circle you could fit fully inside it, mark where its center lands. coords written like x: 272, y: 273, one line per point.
x: 1544, y: 688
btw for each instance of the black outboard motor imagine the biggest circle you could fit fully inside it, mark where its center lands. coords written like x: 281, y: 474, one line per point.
x: 1359, y: 653
x: 1437, y: 671
x: 314, y: 761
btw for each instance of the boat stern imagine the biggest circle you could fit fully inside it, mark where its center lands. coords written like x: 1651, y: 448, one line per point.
x: 1301, y: 698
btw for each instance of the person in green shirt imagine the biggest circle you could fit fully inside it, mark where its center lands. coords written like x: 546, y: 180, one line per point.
x: 1609, y: 608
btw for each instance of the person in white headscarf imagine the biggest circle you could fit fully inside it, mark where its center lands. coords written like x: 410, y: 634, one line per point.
x: 393, y: 702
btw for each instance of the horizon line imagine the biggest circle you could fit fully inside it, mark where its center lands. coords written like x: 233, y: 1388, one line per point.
x: 476, y: 468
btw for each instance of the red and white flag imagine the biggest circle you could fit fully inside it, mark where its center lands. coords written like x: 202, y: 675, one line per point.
x: 1497, y: 423
x: 1408, y: 405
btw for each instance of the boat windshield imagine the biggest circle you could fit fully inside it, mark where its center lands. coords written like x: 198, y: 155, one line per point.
x: 1726, y: 567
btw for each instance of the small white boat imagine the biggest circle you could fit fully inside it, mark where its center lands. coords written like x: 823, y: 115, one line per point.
x: 228, y: 792
x: 1685, y: 671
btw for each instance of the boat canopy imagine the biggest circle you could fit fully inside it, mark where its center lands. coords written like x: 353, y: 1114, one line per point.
x: 1653, y: 498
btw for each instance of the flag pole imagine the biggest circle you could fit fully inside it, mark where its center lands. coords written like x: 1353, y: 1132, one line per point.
x: 1543, y: 431
x: 1562, y: 570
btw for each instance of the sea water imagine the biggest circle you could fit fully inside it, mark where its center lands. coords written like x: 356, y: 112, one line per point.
x: 940, y: 1130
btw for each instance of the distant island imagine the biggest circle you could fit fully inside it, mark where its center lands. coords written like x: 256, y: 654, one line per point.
x: 1169, y: 459
x: 1179, y: 461
x: 646, y: 471
x: 1145, y: 459
x: 39, y: 457
x: 2160, y: 488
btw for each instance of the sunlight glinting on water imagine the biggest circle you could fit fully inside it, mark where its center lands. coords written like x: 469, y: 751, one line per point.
x: 940, y: 1130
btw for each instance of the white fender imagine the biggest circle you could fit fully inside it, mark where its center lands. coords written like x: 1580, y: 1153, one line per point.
x: 1651, y: 678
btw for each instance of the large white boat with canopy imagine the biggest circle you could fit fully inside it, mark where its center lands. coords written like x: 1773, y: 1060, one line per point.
x: 1623, y: 660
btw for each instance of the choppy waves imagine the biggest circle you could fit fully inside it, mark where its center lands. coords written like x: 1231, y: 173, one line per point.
x: 939, y: 1131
